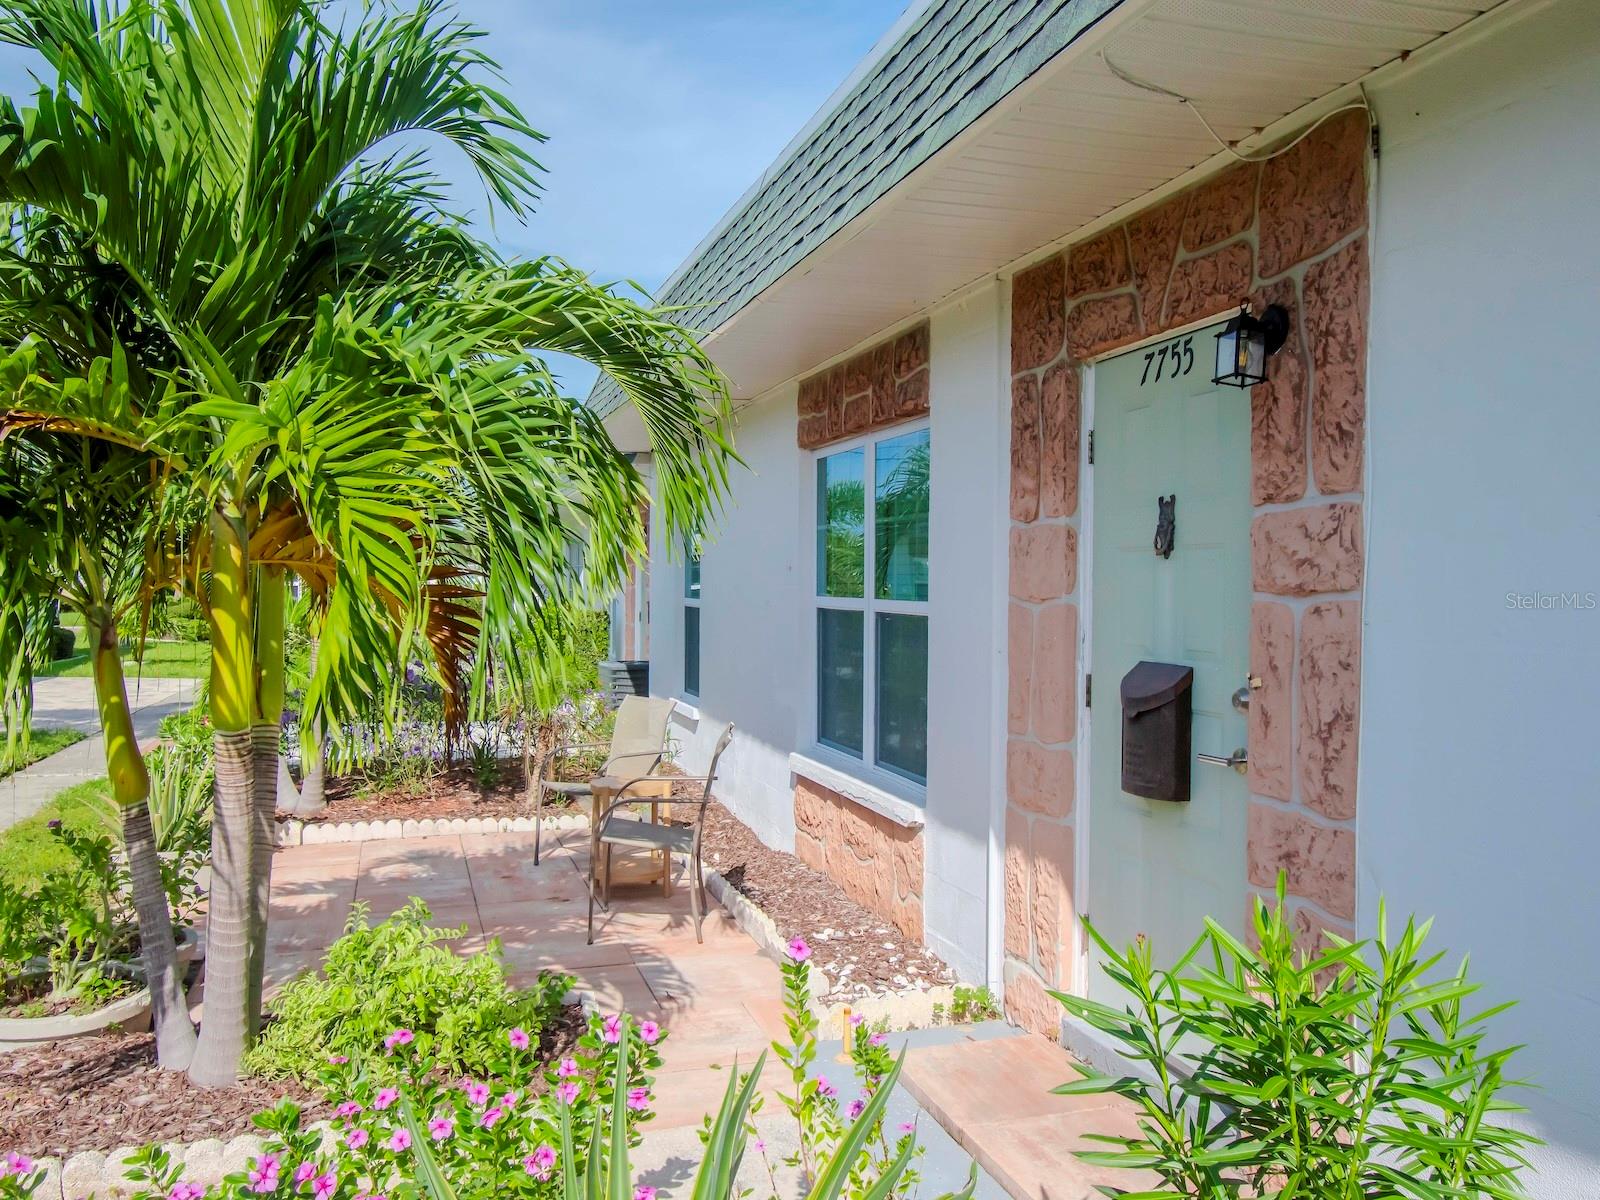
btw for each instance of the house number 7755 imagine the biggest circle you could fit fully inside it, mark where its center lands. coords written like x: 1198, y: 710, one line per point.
x: 1170, y: 360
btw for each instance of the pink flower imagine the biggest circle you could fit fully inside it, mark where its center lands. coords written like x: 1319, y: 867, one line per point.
x: 348, y: 1109
x: 908, y: 1127
x: 477, y: 1093
x: 304, y: 1173
x: 338, y: 1060
x: 798, y: 950
x: 539, y: 1163
x: 184, y: 1190
x: 567, y: 1068
x: 824, y: 1088
x: 324, y: 1185
x: 649, y: 1031
x: 878, y: 1039
x: 264, y: 1174
x: 400, y: 1037
x: 568, y: 1092
x: 491, y: 1118
x: 639, y: 1099
x: 857, y: 1107
x: 440, y: 1128
x: 399, y: 1140
x: 15, y: 1164
x: 761, y: 1146
x: 357, y: 1138
x: 611, y: 1028
x: 644, y: 1192
x: 518, y: 1038
x: 856, y: 1020
x: 509, y: 1101
x: 385, y: 1097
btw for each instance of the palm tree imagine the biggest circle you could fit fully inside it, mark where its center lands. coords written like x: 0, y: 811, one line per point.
x: 73, y: 517
x: 357, y: 391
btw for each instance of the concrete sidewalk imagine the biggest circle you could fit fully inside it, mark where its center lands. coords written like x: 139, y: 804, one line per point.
x: 69, y: 703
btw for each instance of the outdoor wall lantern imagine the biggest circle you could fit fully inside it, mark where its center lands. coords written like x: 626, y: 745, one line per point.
x: 1246, y: 342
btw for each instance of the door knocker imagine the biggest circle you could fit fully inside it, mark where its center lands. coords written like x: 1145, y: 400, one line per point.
x: 1166, y: 524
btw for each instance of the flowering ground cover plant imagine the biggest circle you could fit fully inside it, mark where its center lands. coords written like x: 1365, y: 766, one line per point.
x: 406, y: 1129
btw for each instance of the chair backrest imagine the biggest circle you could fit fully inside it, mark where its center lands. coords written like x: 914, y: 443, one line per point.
x: 724, y: 740
x: 640, y: 734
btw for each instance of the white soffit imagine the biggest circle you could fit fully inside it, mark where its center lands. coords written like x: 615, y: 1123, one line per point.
x: 1070, y: 144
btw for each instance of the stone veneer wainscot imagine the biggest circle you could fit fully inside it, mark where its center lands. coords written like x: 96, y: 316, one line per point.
x: 1291, y: 231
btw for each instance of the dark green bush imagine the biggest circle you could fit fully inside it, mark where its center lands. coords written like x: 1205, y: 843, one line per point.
x: 63, y: 642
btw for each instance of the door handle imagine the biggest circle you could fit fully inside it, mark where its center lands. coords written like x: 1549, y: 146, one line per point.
x: 1239, y: 760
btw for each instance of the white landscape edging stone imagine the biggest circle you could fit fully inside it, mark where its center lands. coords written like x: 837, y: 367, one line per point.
x: 104, y: 1173
x: 316, y: 833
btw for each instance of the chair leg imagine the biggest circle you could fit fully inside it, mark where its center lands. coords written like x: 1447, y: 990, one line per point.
x: 591, y: 901
x: 605, y: 884
x: 696, y: 907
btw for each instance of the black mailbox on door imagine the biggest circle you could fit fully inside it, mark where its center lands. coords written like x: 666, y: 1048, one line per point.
x: 1156, y: 699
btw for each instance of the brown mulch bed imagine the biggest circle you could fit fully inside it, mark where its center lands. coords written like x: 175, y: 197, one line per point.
x: 99, y: 1093
x: 453, y: 792
x: 861, y: 953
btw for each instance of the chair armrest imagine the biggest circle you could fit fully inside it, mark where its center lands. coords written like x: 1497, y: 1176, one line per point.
x: 605, y: 814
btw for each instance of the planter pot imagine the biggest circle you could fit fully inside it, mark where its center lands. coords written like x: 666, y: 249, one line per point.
x: 190, y: 947
x: 130, y: 1012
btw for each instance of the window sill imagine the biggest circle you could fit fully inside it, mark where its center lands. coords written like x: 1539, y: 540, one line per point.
x: 687, y: 707
x: 904, y: 805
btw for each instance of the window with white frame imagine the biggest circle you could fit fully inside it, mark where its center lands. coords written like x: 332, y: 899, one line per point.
x: 691, y: 622
x: 872, y: 601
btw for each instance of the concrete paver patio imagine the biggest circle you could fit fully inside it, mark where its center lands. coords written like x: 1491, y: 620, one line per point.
x: 985, y: 1096
x: 717, y: 1000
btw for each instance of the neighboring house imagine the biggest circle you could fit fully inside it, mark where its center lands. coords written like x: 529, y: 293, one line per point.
x: 969, y: 321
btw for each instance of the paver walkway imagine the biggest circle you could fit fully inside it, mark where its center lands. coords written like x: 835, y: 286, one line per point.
x: 994, y: 1096
x: 69, y: 703
x: 986, y: 1092
x: 719, y: 1001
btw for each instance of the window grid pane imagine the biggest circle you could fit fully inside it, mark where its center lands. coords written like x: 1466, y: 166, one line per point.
x: 841, y: 524
x: 840, y: 682
x: 900, y: 474
x: 902, y: 694
x: 691, y: 649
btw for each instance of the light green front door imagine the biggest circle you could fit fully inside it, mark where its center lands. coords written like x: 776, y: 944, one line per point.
x: 1161, y: 428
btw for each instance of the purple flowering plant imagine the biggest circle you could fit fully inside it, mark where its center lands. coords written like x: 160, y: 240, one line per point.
x: 413, y: 1127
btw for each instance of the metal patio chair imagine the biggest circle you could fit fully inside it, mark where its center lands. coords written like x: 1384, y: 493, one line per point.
x: 638, y: 742
x: 630, y: 833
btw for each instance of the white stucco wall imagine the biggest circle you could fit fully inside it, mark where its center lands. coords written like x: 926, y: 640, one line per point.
x: 1480, y: 765
x: 969, y: 438
x: 755, y: 666
x: 750, y: 631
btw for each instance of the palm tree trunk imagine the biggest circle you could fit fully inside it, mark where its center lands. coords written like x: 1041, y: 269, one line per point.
x: 130, y: 784
x: 264, y: 740
x: 308, y: 798
x: 225, y: 1025
x: 265, y: 737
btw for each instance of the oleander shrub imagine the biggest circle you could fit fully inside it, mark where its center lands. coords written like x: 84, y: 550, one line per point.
x: 1358, y: 1071
x: 400, y: 974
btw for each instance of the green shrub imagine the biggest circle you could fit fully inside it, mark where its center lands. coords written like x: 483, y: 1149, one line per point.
x: 63, y: 642
x: 397, y: 975
x: 1352, y: 1073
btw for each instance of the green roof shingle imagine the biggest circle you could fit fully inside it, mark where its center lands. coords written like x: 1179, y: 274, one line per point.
x: 953, y: 62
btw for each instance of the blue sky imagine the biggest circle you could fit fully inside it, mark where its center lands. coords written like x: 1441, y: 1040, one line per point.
x: 659, y: 114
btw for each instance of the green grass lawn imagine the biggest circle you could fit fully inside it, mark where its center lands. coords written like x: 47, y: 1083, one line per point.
x: 42, y: 744
x: 28, y: 852
x: 162, y: 660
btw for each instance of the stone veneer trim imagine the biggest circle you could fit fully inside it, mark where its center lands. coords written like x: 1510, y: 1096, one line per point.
x: 877, y: 861
x: 1291, y: 231
x: 883, y: 385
